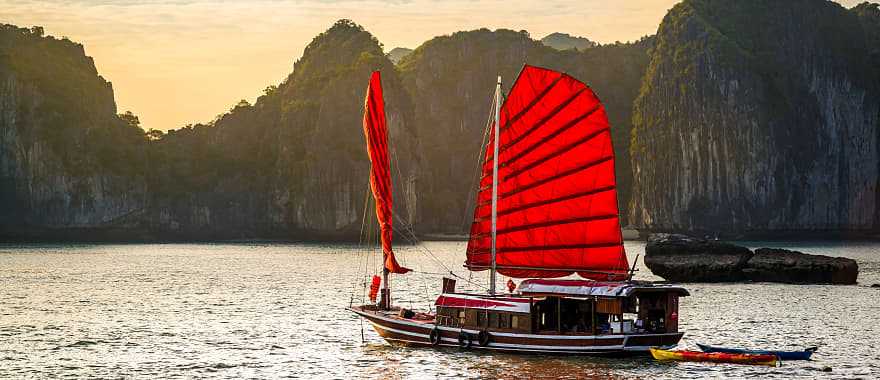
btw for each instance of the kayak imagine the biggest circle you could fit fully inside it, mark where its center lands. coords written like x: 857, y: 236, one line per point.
x: 714, y: 357
x: 782, y: 355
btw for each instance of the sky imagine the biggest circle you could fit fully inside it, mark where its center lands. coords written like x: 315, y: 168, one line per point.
x: 177, y: 62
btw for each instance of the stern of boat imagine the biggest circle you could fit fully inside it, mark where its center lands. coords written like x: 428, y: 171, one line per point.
x: 395, y: 328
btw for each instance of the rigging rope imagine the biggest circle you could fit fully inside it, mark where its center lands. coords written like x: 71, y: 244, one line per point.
x: 408, y: 232
x: 468, y: 218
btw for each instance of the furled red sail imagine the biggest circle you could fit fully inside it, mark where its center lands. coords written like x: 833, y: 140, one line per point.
x: 376, y: 133
x: 557, y: 197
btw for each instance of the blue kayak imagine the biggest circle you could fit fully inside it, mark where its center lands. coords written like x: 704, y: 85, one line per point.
x: 782, y: 355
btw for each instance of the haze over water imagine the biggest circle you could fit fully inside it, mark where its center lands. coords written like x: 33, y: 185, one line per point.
x: 278, y: 310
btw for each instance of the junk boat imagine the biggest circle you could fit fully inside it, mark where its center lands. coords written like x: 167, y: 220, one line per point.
x: 546, y: 209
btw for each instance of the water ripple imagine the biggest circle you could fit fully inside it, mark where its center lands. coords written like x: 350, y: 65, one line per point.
x: 277, y: 311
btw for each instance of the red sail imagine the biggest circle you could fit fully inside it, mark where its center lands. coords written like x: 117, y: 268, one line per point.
x: 376, y: 133
x: 557, y: 197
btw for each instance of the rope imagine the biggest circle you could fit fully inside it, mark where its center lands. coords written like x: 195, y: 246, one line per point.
x: 435, y: 258
x: 360, y: 255
x: 451, y: 273
x: 477, y: 172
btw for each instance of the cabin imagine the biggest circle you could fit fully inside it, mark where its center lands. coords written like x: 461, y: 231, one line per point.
x: 565, y: 307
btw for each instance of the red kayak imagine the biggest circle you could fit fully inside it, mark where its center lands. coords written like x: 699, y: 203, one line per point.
x: 714, y: 357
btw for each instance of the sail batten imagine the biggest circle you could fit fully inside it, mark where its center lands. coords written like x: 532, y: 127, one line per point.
x: 553, y: 135
x: 376, y: 134
x: 527, y: 108
x: 540, y: 203
x: 540, y: 123
x: 557, y: 206
x: 547, y: 224
x: 557, y: 247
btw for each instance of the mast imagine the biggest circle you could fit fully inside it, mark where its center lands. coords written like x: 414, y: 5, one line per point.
x: 385, y: 300
x: 497, y: 132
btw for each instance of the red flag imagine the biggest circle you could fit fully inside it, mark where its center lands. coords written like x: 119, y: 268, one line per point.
x: 376, y: 133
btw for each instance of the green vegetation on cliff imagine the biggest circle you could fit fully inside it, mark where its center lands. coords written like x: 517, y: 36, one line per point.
x: 74, y: 112
x: 451, y: 80
x: 292, y: 163
x: 746, y: 115
x: 66, y: 158
x: 757, y: 115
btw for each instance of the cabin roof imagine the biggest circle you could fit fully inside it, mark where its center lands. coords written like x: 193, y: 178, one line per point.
x: 534, y: 287
x: 508, y: 304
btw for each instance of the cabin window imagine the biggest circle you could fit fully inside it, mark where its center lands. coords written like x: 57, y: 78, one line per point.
x: 514, y: 322
x: 481, y: 318
x: 548, y: 312
x: 493, y: 319
x: 447, y: 316
x: 654, y: 313
x: 504, y: 321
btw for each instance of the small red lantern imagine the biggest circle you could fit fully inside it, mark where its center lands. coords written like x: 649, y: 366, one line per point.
x: 374, y: 288
x: 511, y: 285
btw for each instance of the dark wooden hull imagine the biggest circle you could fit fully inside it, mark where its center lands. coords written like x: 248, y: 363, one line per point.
x: 399, y: 330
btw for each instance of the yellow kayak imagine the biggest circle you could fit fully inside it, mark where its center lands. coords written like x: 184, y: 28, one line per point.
x: 714, y: 357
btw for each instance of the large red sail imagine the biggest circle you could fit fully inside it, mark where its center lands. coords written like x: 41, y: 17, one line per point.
x: 557, y: 197
x: 376, y: 133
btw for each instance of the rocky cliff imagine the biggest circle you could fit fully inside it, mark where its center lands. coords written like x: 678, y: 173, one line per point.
x: 67, y: 160
x: 739, y: 117
x: 293, y: 165
x: 451, y: 80
x: 757, y: 116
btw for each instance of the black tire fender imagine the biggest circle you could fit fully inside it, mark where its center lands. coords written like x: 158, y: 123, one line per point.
x: 434, y: 336
x: 483, y: 338
x: 465, y: 340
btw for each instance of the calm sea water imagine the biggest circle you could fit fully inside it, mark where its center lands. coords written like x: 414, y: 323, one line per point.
x: 277, y: 310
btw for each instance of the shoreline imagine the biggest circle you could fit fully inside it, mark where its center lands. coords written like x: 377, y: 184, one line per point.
x: 143, y: 236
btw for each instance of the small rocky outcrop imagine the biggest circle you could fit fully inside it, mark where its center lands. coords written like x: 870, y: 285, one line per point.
x: 682, y: 258
x: 782, y: 265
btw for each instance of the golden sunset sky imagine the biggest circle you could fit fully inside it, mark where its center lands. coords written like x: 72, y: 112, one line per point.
x: 174, y: 62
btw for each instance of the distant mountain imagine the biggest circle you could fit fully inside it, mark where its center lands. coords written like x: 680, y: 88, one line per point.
x: 564, y: 41
x: 747, y: 117
x: 396, y: 54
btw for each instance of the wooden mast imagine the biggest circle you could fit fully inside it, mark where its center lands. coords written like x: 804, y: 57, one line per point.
x: 497, y: 131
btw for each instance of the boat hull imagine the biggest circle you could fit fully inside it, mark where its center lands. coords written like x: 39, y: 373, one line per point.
x: 399, y: 330
x: 782, y: 355
x: 713, y: 357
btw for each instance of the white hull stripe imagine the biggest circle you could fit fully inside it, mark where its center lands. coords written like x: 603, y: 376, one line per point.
x: 526, y: 347
x: 513, y: 335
